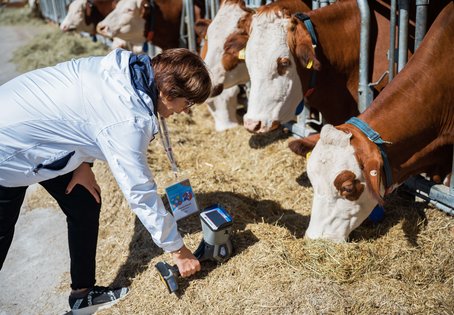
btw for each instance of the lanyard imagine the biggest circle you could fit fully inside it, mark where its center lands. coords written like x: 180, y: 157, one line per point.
x: 166, y: 143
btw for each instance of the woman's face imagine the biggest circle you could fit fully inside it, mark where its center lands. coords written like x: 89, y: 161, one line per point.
x: 168, y: 105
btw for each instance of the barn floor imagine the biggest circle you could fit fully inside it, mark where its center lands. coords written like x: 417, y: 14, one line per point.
x: 403, y: 265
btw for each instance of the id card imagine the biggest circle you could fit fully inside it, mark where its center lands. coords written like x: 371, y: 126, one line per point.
x: 181, y: 199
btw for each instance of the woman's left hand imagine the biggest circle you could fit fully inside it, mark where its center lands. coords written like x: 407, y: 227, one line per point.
x: 83, y: 175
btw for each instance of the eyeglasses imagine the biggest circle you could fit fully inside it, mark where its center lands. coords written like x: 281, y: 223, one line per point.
x: 189, y: 104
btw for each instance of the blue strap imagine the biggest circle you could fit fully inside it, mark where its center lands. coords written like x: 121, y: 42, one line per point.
x: 377, y: 139
x: 300, y: 107
x: 310, y: 28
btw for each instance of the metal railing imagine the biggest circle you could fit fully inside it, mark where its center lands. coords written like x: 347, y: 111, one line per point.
x: 54, y: 10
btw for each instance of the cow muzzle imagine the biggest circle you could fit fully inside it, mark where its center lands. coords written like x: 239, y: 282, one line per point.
x: 255, y: 126
x: 104, y: 30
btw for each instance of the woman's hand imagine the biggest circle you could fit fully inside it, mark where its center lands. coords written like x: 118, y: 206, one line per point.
x: 84, y: 176
x: 186, y: 262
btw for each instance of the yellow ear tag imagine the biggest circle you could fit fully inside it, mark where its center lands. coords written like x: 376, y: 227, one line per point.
x: 308, y: 154
x: 242, y: 54
x: 310, y: 63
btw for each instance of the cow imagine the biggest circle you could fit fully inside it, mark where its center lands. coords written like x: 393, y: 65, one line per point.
x: 226, y: 69
x: 137, y: 21
x: 408, y: 129
x: 225, y: 40
x: 84, y: 15
x: 285, y: 67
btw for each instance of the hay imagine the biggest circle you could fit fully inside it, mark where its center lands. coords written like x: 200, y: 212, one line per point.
x: 54, y: 46
x: 15, y: 16
x: 403, y: 265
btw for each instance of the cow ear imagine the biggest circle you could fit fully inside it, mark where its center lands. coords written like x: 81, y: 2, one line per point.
x: 234, y: 50
x: 348, y: 186
x: 201, y: 27
x: 372, y: 172
x: 304, y: 145
x: 244, y: 23
x: 300, y: 44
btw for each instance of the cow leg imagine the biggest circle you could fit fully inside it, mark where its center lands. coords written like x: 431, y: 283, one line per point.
x: 223, y: 109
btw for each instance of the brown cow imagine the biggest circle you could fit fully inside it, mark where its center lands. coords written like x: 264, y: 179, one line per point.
x: 282, y: 62
x: 412, y: 122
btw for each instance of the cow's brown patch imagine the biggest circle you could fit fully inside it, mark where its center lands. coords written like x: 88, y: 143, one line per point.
x: 283, y: 63
x: 348, y: 186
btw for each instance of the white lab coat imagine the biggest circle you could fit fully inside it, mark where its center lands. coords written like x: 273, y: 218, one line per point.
x: 86, y: 106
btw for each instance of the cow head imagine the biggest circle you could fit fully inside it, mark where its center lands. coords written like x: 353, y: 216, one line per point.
x: 225, y: 38
x: 75, y: 18
x: 126, y: 21
x: 275, y: 86
x: 345, y: 172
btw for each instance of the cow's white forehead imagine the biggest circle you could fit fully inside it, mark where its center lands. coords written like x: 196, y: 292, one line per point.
x: 273, y: 97
x: 332, y: 154
x: 225, y: 22
x: 268, y: 38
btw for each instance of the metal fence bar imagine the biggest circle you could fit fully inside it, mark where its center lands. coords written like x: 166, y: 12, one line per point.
x: 392, y: 40
x: 421, y: 21
x: 365, y: 95
x: 403, y: 34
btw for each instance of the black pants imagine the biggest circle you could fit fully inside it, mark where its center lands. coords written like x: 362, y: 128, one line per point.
x: 82, y: 217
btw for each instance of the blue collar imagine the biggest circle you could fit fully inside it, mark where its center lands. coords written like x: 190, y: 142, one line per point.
x: 375, y: 138
x: 310, y: 28
x: 142, y: 79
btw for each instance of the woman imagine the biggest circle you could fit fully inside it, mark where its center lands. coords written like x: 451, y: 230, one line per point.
x: 57, y: 120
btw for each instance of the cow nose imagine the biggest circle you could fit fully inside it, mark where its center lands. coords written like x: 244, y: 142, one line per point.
x: 217, y: 89
x: 103, y: 29
x: 252, y: 125
x: 64, y: 27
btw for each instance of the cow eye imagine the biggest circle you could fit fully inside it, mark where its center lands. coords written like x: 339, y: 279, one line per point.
x: 282, y: 64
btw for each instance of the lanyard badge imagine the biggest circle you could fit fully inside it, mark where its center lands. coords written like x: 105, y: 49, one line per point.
x: 179, y: 194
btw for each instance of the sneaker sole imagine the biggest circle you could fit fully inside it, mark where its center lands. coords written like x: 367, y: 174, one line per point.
x: 94, y: 308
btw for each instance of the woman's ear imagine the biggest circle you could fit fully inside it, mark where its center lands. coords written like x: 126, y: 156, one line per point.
x: 165, y: 98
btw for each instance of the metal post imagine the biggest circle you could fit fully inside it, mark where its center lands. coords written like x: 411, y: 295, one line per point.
x: 403, y: 34
x: 323, y: 3
x: 392, y: 40
x: 189, y: 20
x: 54, y: 13
x: 215, y: 8
x: 421, y: 21
x: 365, y: 94
x: 451, y: 186
x: 315, y: 4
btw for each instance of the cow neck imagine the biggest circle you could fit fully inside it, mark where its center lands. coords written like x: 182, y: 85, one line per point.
x: 375, y: 137
x: 312, y: 82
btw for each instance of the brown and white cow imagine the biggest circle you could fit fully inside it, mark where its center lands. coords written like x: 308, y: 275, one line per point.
x: 414, y: 115
x: 281, y: 60
x: 84, y: 15
x: 224, y: 39
x: 129, y: 19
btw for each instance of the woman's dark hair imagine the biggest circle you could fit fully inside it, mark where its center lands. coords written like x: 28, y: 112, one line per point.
x: 181, y: 73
